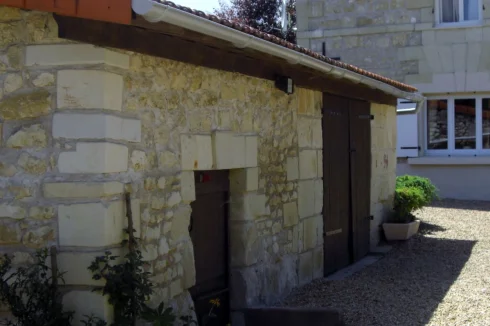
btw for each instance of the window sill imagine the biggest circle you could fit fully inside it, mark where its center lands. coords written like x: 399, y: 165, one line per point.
x: 453, y: 160
x: 470, y: 24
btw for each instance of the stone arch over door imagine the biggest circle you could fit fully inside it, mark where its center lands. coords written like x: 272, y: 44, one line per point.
x: 237, y: 153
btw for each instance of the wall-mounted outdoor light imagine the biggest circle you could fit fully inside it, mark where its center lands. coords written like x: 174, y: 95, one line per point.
x: 285, y: 84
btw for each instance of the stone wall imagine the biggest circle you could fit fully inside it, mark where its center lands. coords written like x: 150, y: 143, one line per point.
x: 383, y: 166
x: 274, y: 217
x: 80, y: 125
x: 65, y: 144
x: 398, y: 39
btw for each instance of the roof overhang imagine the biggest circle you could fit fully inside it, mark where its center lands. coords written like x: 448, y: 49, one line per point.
x: 408, y: 107
x: 155, y: 12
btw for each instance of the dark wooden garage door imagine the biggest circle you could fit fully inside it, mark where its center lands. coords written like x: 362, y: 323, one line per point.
x: 209, y: 234
x: 347, y: 178
x: 360, y: 172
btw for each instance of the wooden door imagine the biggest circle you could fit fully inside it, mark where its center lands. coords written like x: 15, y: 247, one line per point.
x: 346, y: 180
x: 360, y: 172
x: 209, y: 233
x: 336, y: 193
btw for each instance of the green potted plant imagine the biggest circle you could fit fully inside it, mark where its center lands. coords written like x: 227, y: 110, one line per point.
x: 411, y: 194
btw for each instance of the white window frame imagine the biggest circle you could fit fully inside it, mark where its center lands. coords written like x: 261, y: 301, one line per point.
x: 451, y: 151
x: 461, y: 23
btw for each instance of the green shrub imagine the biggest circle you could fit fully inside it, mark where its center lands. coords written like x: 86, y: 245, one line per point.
x: 412, y: 193
x: 424, y: 184
x: 408, y: 200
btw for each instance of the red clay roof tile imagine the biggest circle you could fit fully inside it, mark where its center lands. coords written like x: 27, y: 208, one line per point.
x: 276, y: 40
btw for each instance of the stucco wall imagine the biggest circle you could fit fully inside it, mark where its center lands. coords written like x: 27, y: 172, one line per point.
x: 466, y: 182
x: 80, y: 125
x: 398, y: 39
x: 383, y: 165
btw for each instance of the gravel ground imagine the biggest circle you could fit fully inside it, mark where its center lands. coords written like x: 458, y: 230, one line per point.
x: 439, y: 277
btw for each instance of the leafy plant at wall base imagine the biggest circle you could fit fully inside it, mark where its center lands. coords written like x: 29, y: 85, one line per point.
x: 424, y: 184
x: 127, y: 285
x: 32, y: 294
x: 159, y: 316
x: 407, y: 200
x: 412, y: 193
x: 93, y: 321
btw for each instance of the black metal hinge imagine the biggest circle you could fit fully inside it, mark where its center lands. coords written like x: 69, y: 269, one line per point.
x: 410, y: 147
x: 330, y: 112
x: 367, y: 116
x: 371, y: 217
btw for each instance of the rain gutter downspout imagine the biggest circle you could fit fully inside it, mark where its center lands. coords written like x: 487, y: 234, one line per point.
x: 158, y: 12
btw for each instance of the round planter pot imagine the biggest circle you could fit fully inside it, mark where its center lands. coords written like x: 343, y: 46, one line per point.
x: 400, y: 231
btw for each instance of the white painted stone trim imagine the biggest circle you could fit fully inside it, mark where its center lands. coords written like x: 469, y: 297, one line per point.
x: 89, y: 89
x: 82, y: 189
x: 91, y: 224
x: 74, y: 54
x: 94, y: 158
x: 86, y: 303
x: 96, y: 126
x: 221, y: 151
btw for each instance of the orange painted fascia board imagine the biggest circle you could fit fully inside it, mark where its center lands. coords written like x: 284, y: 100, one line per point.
x: 13, y: 3
x: 63, y: 7
x: 114, y: 11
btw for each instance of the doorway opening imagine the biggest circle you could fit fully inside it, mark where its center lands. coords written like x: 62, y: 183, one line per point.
x: 209, y: 233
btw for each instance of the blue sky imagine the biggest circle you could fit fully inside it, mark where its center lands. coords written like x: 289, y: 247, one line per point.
x: 204, y: 5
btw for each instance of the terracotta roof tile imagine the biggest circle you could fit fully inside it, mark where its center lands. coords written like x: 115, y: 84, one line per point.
x: 276, y: 40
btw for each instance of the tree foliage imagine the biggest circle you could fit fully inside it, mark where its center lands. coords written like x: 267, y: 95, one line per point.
x: 264, y: 15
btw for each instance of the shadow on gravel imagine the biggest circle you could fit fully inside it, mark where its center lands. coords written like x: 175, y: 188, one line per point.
x: 476, y: 205
x: 428, y: 228
x: 403, y: 288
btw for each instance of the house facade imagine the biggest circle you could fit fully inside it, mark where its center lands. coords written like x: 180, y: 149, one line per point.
x: 441, y: 47
x: 237, y: 184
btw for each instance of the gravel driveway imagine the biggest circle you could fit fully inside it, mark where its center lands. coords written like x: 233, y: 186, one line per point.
x: 439, y: 277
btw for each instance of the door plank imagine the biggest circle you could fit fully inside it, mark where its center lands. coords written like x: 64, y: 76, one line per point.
x: 360, y: 168
x: 209, y: 233
x: 336, y: 213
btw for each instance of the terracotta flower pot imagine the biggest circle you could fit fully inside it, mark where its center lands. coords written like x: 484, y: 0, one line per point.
x: 400, y: 231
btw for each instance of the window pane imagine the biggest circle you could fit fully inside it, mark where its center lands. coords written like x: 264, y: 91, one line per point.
x: 437, y: 124
x: 470, y: 9
x: 449, y: 11
x: 486, y: 123
x: 465, y: 124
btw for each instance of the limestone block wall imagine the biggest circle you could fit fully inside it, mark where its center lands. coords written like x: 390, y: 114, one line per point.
x: 64, y: 149
x: 383, y: 165
x: 399, y: 39
x: 195, y: 118
x: 310, y: 185
x: 80, y: 125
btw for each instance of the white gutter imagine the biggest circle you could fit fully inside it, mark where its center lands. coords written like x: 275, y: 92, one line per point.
x: 158, y: 12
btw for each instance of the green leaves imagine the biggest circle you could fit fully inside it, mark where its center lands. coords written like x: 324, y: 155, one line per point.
x: 93, y: 321
x: 412, y: 193
x: 32, y: 294
x: 159, y: 316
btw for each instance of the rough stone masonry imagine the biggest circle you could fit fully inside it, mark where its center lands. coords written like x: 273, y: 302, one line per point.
x: 80, y: 125
x: 401, y: 40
